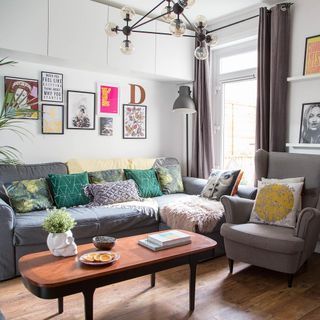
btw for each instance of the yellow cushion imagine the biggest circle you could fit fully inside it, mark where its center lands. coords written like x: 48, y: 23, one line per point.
x: 89, y: 165
x: 141, y: 163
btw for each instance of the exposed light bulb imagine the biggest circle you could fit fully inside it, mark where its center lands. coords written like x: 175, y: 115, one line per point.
x: 168, y: 14
x: 201, y: 52
x: 211, y: 40
x: 127, y: 47
x: 177, y: 27
x: 127, y: 12
x: 186, y: 3
x: 111, y: 29
x: 201, y: 21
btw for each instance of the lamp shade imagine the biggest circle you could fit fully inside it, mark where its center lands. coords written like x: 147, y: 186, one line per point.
x: 184, y: 102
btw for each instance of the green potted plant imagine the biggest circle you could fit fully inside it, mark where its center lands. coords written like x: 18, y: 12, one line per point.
x: 60, y: 240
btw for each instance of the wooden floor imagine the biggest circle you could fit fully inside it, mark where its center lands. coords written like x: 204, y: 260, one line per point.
x: 251, y: 293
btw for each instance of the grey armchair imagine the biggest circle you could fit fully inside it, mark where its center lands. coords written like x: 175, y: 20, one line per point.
x: 277, y: 248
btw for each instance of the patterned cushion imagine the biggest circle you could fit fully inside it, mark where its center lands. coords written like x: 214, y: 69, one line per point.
x: 146, y: 181
x: 170, y: 179
x: 106, y: 176
x: 112, y: 192
x: 68, y: 189
x: 277, y: 204
x: 220, y: 183
x: 29, y: 195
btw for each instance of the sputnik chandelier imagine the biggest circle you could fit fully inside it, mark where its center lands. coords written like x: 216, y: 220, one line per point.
x: 172, y: 13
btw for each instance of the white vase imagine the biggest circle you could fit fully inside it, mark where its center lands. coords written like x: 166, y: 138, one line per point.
x: 62, y: 244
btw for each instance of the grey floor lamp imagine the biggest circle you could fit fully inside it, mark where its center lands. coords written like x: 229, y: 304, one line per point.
x: 185, y: 105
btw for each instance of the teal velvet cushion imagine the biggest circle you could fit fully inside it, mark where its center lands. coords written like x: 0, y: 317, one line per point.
x: 170, y: 179
x: 29, y: 195
x: 147, y: 182
x: 112, y: 175
x: 68, y: 190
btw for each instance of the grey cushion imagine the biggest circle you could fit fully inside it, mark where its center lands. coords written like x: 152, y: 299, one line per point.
x: 266, y: 237
x: 90, y: 222
x: 194, y: 185
x: 9, y: 173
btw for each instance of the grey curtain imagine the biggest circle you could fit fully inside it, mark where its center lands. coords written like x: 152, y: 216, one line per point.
x: 273, y: 68
x: 202, y: 140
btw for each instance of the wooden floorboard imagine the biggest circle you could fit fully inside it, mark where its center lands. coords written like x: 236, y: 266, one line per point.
x: 251, y: 293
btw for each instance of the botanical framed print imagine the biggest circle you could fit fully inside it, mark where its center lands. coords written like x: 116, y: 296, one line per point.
x: 81, y: 110
x: 51, y: 86
x: 21, y: 95
x: 134, y: 121
x: 106, y: 126
x: 108, y: 99
x: 52, y: 118
x: 312, y: 55
x: 310, y: 123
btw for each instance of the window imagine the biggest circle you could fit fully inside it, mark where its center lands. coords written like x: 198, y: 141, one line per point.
x: 235, y: 108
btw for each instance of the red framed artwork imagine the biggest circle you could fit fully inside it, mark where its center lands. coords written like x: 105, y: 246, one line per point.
x: 108, y: 99
x: 312, y: 55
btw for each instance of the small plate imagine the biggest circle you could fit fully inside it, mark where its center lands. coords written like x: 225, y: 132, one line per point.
x: 116, y: 256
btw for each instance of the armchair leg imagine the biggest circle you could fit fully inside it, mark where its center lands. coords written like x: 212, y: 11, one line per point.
x: 230, y: 265
x: 290, y: 279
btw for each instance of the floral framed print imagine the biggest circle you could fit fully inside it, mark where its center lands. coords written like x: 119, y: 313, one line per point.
x: 108, y: 99
x: 51, y: 86
x: 134, y: 121
x: 310, y: 123
x: 52, y: 117
x: 21, y: 98
x: 81, y: 110
x: 312, y: 55
x: 106, y: 127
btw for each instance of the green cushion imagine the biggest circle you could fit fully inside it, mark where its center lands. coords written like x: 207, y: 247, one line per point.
x: 170, y: 179
x: 106, y: 176
x: 29, y: 195
x: 147, y: 182
x: 67, y: 189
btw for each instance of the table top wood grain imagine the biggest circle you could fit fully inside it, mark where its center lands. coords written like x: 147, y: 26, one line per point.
x: 42, y: 269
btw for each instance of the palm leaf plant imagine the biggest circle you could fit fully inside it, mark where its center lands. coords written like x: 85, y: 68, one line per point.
x: 10, y: 111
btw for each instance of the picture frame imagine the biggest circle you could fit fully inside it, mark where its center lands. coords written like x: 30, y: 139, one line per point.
x: 22, y: 93
x: 108, y: 97
x: 51, y: 87
x: 81, y: 110
x: 106, y: 126
x: 134, y: 121
x: 310, y: 123
x: 312, y: 55
x: 52, y: 119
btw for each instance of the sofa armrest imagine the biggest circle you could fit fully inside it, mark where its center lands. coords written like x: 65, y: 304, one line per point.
x: 237, y: 210
x: 7, y: 257
x: 193, y: 186
x: 247, y: 192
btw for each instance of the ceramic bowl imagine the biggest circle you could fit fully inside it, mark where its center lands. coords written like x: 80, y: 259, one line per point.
x: 104, y: 242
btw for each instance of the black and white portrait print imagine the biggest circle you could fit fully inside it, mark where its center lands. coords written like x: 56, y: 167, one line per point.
x: 81, y: 110
x: 310, y: 123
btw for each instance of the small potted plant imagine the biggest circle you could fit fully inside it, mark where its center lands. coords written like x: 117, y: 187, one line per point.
x: 60, y: 240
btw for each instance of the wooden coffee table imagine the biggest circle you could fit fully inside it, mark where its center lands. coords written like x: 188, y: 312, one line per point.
x: 50, y: 277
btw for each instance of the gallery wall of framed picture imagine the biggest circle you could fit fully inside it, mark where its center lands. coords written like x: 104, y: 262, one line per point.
x: 52, y: 119
x: 134, y: 121
x: 51, y: 87
x: 108, y: 97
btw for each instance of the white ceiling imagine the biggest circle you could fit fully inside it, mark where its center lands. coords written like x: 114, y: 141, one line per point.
x: 212, y: 9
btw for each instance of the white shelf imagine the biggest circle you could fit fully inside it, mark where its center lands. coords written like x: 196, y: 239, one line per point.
x: 304, y: 78
x: 303, y: 145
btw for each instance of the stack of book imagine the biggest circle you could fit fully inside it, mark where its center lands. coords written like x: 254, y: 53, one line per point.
x: 165, y: 240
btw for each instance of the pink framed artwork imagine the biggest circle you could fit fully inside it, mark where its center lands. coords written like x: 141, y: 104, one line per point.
x: 108, y: 99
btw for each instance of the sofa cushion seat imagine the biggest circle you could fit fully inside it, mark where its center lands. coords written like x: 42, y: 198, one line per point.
x: 167, y: 198
x: 266, y: 237
x: 90, y: 222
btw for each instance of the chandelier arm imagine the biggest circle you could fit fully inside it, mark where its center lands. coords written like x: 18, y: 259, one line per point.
x: 155, y: 18
x: 158, y: 5
x: 161, y: 33
x: 190, y: 24
x: 232, y: 24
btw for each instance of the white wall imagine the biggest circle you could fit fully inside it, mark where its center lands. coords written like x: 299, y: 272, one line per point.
x: 305, y: 23
x: 165, y: 129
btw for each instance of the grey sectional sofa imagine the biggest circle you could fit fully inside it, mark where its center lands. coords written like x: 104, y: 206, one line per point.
x: 21, y: 234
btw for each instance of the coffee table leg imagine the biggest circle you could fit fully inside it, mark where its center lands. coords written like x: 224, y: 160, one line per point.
x: 153, y: 279
x: 88, y: 303
x: 60, y: 305
x: 192, y: 285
